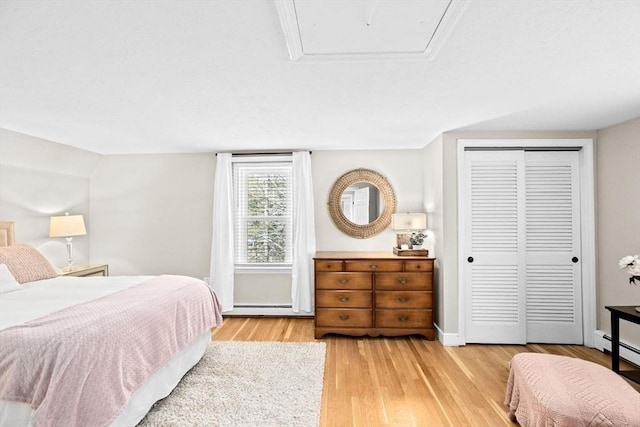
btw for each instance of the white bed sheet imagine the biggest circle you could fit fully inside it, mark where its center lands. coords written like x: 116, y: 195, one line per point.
x: 43, y: 297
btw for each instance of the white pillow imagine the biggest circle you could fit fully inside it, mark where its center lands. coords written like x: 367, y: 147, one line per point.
x: 7, y: 281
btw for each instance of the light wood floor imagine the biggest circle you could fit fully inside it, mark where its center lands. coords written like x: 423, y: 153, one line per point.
x: 405, y: 381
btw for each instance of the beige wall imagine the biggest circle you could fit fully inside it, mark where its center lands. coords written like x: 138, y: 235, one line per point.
x: 433, y: 204
x: 402, y: 168
x: 38, y: 179
x: 151, y: 214
x: 618, y: 219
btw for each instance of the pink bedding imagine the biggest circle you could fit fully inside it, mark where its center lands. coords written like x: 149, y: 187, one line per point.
x: 550, y: 390
x: 80, y: 365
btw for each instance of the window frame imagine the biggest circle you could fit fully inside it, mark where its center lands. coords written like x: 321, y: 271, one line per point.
x: 277, y: 161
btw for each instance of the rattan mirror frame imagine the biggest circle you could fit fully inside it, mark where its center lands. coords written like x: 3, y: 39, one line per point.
x: 350, y: 178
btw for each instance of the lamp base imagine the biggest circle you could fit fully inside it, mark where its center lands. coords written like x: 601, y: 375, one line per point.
x: 69, y: 252
x: 403, y: 239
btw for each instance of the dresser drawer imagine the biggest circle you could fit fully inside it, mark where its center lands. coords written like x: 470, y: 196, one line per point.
x: 401, y: 299
x: 344, y: 318
x: 373, y: 265
x: 343, y: 281
x: 329, y: 265
x: 340, y: 299
x: 403, y: 282
x: 426, y: 265
x: 404, y: 319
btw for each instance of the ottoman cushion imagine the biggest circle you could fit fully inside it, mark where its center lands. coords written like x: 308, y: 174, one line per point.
x: 550, y: 390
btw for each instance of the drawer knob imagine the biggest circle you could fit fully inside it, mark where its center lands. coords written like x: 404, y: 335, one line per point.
x: 402, y: 281
x: 373, y: 266
x: 403, y: 299
x: 403, y: 318
x: 344, y: 299
x: 343, y: 281
x: 344, y: 317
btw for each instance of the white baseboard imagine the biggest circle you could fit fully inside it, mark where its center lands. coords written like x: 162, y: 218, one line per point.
x: 448, y: 340
x: 601, y: 341
x: 628, y: 351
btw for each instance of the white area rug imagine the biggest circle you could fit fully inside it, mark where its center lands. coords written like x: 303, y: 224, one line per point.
x: 247, y: 384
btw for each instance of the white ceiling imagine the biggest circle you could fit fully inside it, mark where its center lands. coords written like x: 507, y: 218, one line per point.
x: 193, y: 76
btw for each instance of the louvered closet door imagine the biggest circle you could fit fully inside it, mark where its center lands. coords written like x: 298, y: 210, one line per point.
x: 522, y: 242
x: 553, y: 280
x: 494, y: 234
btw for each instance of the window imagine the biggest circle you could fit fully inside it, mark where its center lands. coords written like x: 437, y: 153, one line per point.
x: 263, y: 215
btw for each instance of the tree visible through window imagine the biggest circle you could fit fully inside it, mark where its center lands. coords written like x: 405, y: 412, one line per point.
x: 263, y: 214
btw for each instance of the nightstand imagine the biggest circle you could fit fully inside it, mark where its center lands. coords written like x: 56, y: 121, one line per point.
x: 86, y: 270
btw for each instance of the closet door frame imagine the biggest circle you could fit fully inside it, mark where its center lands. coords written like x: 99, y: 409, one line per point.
x: 584, y: 146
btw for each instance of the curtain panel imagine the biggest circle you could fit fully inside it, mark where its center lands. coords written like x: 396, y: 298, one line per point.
x: 222, y: 242
x: 304, y: 238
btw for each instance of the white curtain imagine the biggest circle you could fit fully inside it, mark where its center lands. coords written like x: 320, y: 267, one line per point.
x: 304, y: 237
x: 222, y: 250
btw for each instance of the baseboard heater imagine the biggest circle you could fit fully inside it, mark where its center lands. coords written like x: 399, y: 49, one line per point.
x: 261, y: 306
x: 622, y: 345
x: 264, y: 310
x: 629, y: 352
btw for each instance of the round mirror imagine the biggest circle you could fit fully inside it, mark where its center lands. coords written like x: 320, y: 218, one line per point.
x: 361, y: 203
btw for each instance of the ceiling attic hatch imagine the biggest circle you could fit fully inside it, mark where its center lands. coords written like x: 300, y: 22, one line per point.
x: 367, y: 30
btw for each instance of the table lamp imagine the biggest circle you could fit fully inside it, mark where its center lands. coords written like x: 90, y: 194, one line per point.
x: 406, y: 223
x: 67, y: 226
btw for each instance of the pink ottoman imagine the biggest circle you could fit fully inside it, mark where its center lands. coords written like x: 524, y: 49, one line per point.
x: 549, y: 390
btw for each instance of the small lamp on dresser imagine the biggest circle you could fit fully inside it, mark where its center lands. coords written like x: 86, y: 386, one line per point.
x: 404, y: 224
x: 67, y: 226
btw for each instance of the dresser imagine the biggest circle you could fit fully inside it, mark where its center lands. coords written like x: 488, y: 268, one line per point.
x: 373, y: 293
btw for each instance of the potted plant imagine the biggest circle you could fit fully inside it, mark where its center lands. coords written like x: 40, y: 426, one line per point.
x: 631, y: 263
x: 417, y: 239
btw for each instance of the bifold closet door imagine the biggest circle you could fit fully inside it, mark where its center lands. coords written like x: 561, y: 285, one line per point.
x: 522, y: 247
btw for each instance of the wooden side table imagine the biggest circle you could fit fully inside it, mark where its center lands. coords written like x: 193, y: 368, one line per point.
x: 86, y: 270
x: 629, y: 313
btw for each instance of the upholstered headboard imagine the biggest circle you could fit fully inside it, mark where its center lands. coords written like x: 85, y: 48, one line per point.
x: 7, y: 234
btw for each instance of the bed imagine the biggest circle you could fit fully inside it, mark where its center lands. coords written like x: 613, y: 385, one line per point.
x: 78, y: 351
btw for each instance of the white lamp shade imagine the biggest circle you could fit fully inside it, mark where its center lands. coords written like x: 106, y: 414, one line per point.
x: 409, y: 221
x: 67, y: 226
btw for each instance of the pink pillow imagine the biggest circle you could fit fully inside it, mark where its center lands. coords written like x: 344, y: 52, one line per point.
x: 26, y: 263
